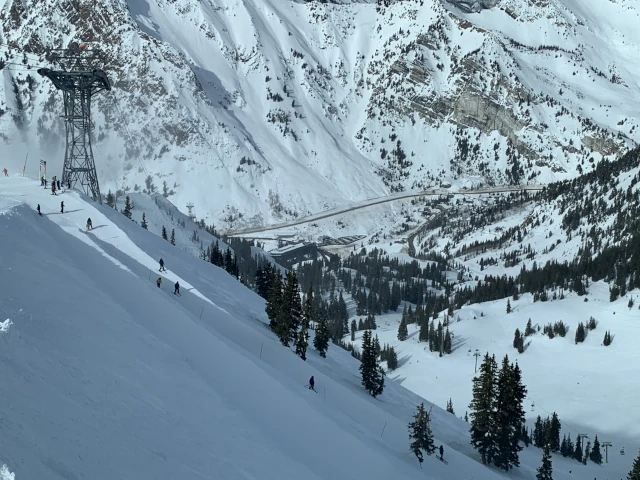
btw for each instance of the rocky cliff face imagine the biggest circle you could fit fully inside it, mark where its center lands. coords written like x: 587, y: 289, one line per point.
x: 258, y: 111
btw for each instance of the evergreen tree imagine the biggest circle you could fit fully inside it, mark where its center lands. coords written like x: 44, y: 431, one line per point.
x: 634, y: 474
x: 173, y: 236
x: 508, y: 306
x: 447, y: 342
x: 555, y: 427
x: 128, y: 206
x: 164, y: 233
x: 529, y: 329
x: 563, y: 446
x: 545, y: 471
x: 607, y: 338
x: 516, y: 338
x: 450, y: 407
x: 420, y: 433
x: 483, y: 405
x: 303, y: 337
x: 402, y: 330
x: 587, y: 453
x: 290, y: 313
x: 538, y: 433
x: 596, y: 454
x: 577, y: 452
x: 111, y: 201
x: 372, y: 375
x: 144, y: 222
x: 274, y: 303
x: 580, y: 333
x: 510, y: 415
x: 321, y: 339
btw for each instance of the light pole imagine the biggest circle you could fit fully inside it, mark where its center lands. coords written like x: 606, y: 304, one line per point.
x: 477, y: 354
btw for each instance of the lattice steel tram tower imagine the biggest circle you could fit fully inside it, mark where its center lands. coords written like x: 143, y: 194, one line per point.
x: 79, y: 81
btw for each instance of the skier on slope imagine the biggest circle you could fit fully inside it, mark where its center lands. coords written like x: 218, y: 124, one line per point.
x: 162, y: 269
x: 176, y: 289
x: 61, y: 207
x: 53, y: 188
x: 159, y: 282
x: 39, y: 213
x: 441, y: 452
x: 312, y: 383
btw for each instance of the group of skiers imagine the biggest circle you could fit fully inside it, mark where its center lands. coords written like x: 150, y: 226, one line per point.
x: 176, y: 287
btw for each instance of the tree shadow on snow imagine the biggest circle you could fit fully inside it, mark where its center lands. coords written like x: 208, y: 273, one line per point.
x: 413, y: 334
x: 402, y: 361
x: 99, y: 226
x: 458, y: 342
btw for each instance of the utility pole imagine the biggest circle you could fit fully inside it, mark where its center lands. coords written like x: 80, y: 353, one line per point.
x: 477, y: 354
x: 606, y: 446
x: 79, y: 79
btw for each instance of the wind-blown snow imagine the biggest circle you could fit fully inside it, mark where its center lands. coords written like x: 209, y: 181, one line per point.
x: 4, y: 326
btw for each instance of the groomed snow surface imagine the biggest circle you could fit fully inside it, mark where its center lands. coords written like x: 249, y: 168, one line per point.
x: 106, y: 376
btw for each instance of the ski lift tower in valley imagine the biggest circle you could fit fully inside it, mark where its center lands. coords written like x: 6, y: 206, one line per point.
x: 79, y: 81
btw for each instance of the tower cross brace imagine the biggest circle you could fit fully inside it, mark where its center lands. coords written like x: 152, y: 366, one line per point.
x: 79, y: 83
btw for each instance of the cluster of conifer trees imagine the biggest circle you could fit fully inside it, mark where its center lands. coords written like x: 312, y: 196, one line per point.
x: 497, y: 413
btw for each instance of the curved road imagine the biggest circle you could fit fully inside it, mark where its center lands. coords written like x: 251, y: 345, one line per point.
x: 379, y: 200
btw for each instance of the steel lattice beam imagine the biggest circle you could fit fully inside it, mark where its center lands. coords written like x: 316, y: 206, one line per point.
x: 78, y: 87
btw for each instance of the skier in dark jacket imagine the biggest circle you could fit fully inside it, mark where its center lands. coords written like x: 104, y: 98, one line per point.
x: 89, y: 224
x: 312, y: 383
x: 39, y: 213
x: 61, y: 207
x: 162, y: 269
x: 441, y: 452
x: 176, y: 289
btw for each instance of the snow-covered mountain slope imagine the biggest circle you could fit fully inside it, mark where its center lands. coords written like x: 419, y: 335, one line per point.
x: 105, y: 375
x: 259, y: 111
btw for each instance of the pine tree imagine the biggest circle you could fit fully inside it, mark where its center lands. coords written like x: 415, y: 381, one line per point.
x: 111, y: 201
x: 634, y: 474
x: 607, y: 338
x: 144, y: 222
x: 290, y: 313
x: 372, y: 375
x: 577, y: 452
x: 587, y: 453
x: 538, y: 433
x: 516, y: 338
x: 420, y: 433
x: 596, y: 454
x: 510, y: 415
x: 164, y: 233
x: 321, y: 339
x: 508, y: 306
x: 274, y: 302
x: 529, y: 329
x: 450, y: 407
x: 545, y: 471
x: 307, y: 317
x: 483, y: 405
x: 580, y: 333
x: 173, y: 236
x: 402, y: 330
x: 447, y: 342
x: 555, y: 427
x: 563, y: 446
x: 128, y: 206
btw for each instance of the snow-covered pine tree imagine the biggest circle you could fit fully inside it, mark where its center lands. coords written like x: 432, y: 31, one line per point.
x: 587, y: 453
x: 421, y: 434
x: 403, y: 333
x: 321, y: 339
x: 144, y: 222
x: 372, y: 374
x: 483, y: 428
x: 545, y: 471
x: 164, y: 233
